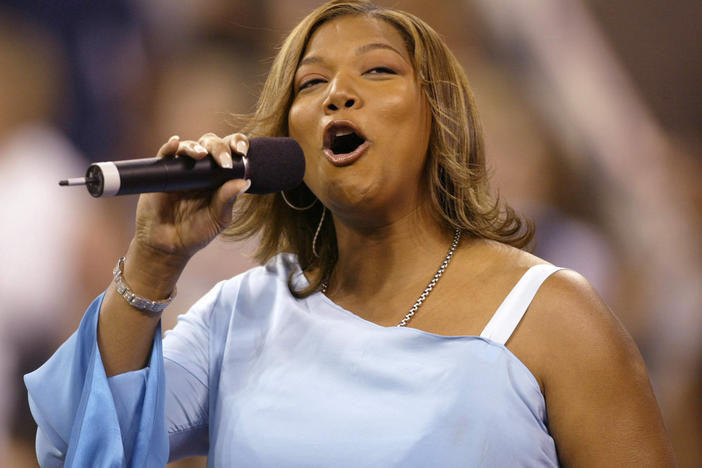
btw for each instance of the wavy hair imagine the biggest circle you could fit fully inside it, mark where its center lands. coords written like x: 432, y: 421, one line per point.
x: 456, y: 174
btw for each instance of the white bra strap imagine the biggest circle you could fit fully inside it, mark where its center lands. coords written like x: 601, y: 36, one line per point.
x: 510, y: 313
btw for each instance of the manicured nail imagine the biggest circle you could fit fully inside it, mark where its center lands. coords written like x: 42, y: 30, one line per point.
x: 242, y: 147
x: 199, y: 148
x: 226, y: 160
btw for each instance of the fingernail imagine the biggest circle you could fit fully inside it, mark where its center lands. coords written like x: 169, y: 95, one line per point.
x: 199, y: 148
x: 173, y: 138
x: 246, y: 187
x: 226, y: 160
x: 242, y: 147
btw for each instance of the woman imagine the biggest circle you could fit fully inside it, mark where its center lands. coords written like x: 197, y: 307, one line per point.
x: 299, y: 362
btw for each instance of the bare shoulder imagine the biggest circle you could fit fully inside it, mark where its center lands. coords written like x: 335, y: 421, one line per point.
x: 601, y: 407
x: 568, y: 325
x: 485, y: 271
x: 494, y: 261
x: 600, y: 404
x: 566, y: 311
x: 567, y: 314
x: 569, y: 322
x: 570, y: 310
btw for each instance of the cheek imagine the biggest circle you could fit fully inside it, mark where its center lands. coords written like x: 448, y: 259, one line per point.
x: 302, y: 124
x: 409, y: 111
x: 300, y: 127
x: 396, y: 107
x: 295, y: 122
x: 412, y: 124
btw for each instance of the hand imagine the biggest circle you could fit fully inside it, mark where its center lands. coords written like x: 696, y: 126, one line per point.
x: 178, y: 224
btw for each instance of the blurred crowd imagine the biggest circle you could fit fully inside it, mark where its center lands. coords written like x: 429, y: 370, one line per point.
x: 609, y: 173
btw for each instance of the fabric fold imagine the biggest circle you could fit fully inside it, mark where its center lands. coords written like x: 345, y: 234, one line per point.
x: 72, y: 402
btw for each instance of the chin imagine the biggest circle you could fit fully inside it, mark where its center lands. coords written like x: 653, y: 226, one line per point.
x: 350, y: 197
x: 351, y: 192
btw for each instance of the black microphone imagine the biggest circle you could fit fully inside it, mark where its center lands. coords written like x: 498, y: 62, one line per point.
x: 272, y: 164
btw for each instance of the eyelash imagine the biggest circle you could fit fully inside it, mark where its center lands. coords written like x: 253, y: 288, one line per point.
x: 387, y: 70
x: 315, y: 81
x: 309, y: 83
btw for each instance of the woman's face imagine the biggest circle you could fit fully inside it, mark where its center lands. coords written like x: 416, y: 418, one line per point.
x: 362, y: 120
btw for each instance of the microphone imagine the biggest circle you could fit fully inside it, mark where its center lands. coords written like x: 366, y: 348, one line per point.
x: 272, y: 164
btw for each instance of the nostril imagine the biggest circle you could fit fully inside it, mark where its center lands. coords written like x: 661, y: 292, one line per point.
x: 333, y: 107
x: 349, y: 103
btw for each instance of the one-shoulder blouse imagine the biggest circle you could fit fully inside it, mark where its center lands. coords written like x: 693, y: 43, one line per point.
x: 252, y: 376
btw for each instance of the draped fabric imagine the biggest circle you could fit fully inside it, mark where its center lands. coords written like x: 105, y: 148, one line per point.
x: 251, y: 376
x: 77, y: 415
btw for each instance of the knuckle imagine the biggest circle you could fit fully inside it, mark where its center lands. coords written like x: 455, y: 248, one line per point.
x: 237, y: 137
x: 239, y: 142
x: 208, y: 136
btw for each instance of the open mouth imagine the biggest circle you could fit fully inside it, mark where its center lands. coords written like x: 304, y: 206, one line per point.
x: 343, y: 143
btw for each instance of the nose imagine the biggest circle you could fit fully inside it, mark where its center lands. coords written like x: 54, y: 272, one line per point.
x: 347, y: 103
x: 341, y: 95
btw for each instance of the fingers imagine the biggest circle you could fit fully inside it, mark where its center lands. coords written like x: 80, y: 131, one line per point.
x: 238, y: 142
x: 218, y: 149
x: 169, y: 148
x: 192, y: 149
x: 174, y: 146
x: 228, y: 192
x: 221, y: 149
x: 223, y: 201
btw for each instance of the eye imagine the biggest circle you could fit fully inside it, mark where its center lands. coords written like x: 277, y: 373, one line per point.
x: 381, y: 71
x: 309, y: 83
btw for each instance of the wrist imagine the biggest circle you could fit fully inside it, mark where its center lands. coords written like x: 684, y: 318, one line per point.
x: 151, y: 273
x: 154, y: 307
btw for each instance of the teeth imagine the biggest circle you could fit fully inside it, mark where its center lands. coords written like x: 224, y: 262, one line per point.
x: 343, y: 132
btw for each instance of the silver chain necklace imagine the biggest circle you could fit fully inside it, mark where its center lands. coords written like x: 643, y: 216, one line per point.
x: 430, y: 286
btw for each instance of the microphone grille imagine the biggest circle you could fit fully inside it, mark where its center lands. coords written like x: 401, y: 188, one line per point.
x: 275, y: 164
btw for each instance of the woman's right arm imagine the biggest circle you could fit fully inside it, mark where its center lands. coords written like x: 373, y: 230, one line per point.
x: 86, y: 419
x: 170, y: 228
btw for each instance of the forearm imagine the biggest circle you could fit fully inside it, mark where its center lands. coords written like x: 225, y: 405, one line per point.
x: 125, y: 333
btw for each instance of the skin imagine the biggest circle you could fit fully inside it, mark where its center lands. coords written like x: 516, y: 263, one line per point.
x: 170, y: 228
x: 601, y: 409
x: 369, y: 81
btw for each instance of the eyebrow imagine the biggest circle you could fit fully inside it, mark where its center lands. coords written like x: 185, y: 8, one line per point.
x: 361, y: 50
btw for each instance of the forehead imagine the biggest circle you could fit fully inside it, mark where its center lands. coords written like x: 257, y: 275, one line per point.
x: 351, y: 32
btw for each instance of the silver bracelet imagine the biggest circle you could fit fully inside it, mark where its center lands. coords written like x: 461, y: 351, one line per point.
x: 141, y: 303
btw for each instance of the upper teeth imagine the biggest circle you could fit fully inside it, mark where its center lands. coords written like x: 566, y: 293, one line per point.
x: 343, y: 132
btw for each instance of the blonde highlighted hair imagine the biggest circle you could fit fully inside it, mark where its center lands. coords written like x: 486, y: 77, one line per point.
x: 456, y: 174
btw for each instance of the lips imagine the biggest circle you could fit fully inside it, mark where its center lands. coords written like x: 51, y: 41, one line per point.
x: 343, y: 142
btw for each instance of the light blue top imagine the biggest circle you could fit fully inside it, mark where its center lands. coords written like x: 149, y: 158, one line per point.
x: 251, y: 376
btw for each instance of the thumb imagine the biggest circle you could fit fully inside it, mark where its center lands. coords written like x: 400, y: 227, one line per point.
x: 224, y: 199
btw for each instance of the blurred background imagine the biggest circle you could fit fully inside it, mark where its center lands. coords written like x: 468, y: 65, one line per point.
x: 592, y: 119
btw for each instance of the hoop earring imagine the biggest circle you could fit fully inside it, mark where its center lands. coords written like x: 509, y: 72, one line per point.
x: 316, y: 234
x: 297, y: 208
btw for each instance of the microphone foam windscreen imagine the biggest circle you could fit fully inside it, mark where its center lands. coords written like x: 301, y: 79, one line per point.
x: 275, y: 164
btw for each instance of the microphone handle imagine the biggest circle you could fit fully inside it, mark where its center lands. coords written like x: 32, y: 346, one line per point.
x: 167, y: 174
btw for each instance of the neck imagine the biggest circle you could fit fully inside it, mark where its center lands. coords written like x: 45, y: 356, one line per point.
x: 378, y: 262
